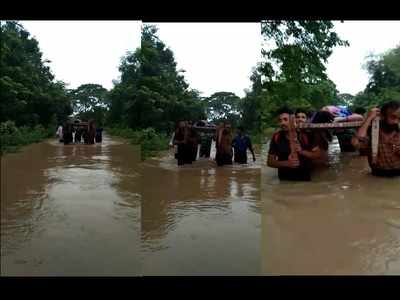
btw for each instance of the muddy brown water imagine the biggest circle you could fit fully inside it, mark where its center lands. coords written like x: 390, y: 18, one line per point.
x: 98, y: 210
x: 200, y: 219
x: 344, y: 222
x: 71, y: 210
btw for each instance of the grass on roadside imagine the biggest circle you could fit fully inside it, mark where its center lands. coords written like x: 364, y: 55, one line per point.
x: 12, y: 138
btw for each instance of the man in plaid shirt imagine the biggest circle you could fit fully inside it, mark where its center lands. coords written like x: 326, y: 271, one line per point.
x: 388, y: 159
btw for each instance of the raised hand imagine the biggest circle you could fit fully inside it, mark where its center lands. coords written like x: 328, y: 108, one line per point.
x: 373, y: 113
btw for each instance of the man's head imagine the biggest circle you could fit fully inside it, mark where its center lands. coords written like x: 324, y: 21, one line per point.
x: 181, y: 124
x: 284, y: 117
x: 323, y: 116
x: 240, y: 130
x: 189, y: 124
x: 390, y: 112
x: 301, y: 115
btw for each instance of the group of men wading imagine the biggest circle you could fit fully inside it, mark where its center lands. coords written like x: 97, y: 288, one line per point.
x: 188, y: 138
x: 296, y: 152
x: 70, y: 133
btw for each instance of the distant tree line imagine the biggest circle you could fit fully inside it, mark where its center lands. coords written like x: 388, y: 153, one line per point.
x: 152, y: 93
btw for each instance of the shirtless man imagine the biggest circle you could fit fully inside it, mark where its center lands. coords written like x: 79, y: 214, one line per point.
x: 388, y: 158
x: 180, y: 140
x: 224, y: 146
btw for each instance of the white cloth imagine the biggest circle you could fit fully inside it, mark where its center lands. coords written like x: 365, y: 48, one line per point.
x: 171, y: 141
x: 59, y: 132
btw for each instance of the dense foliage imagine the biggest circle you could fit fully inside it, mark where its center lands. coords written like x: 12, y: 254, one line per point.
x: 152, y: 92
x: 30, y: 99
x: 293, y: 71
x: 384, y: 83
x: 90, y: 101
x: 28, y: 93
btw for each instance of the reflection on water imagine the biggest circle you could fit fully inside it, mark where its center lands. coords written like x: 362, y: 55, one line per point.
x: 71, y: 210
x: 98, y: 210
x: 200, y: 219
x: 344, y: 222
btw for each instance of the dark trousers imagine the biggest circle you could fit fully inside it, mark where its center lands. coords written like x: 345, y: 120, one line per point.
x: 240, y: 157
x: 193, y: 152
x: 223, y: 159
x: 185, y: 154
x: 67, y: 138
x: 344, y: 139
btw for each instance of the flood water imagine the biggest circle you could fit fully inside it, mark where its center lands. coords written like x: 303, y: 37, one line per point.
x: 201, y: 219
x: 98, y: 210
x: 344, y: 222
x: 71, y: 210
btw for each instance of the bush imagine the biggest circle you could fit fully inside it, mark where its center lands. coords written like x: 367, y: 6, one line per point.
x: 12, y: 137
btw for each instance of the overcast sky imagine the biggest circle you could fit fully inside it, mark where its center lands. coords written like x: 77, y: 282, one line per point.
x: 85, y: 51
x: 216, y: 56
x: 345, y: 66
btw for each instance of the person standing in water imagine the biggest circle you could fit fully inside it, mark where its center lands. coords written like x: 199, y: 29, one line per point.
x: 67, y: 133
x: 321, y: 136
x: 387, y: 163
x: 279, y: 155
x: 192, y: 142
x: 240, y: 145
x: 78, y: 134
x: 91, y: 132
x: 59, y: 134
x: 224, y: 147
x: 180, y: 140
x: 99, y: 135
x: 205, y: 144
x: 217, y: 138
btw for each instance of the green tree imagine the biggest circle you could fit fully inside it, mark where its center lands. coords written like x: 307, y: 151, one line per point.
x: 224, y: 106
x: 152, y: 92
x: 28, y: 93
x: 251, y: 103
x: 299, y: 49
x: 90, y: 101
x: 293, y: 71
x: 384, y: 83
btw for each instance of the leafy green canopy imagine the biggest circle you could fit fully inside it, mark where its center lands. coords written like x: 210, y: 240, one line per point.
x: 28, y: 93
x: 384, y: 83
x: 293, y: 71
x: 152, y: 92
x: 90, y: 101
